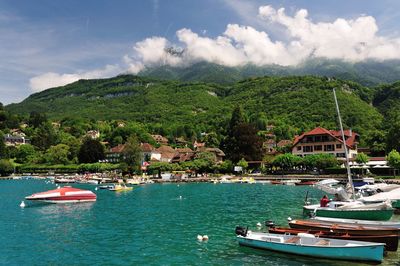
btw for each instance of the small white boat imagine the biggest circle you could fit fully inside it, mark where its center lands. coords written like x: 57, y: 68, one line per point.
x: 359, y: 222
x: 309, y: 245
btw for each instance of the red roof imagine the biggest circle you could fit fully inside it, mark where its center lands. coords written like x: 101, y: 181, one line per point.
x: 118, y: 149
x: 350, y: 141
x: 146, y: 147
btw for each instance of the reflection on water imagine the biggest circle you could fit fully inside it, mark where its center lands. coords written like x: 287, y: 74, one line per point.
x: 61, y: 209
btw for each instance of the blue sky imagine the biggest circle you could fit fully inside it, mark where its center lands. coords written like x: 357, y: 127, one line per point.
x: 45, y: 43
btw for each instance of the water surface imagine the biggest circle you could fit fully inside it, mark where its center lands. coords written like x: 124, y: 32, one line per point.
x: 154, y: 224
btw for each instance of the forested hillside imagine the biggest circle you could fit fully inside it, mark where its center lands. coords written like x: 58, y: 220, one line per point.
x: 367, y: 73
x: 292, y: 104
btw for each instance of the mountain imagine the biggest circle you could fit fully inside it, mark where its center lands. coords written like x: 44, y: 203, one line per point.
x: 298, y: 103
x: 367, y: 73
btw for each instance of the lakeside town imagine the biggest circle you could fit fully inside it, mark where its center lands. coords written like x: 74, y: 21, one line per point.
x: 298, y: 158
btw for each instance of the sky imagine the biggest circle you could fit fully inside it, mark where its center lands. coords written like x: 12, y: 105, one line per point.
x: 49, y: 43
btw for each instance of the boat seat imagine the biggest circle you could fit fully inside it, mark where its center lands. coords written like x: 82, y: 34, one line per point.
x: 294, y: 239
x: 323, y: 242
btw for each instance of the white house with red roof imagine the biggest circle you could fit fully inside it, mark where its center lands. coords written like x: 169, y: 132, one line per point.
x: 321, y: 140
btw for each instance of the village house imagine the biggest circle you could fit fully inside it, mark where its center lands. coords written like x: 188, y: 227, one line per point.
x: 14, y: 140
x: 198, y: 145
x: 115, y: 154
x: 321, y: 140
x: 164, y: 154
x: 183, y: 155
x: 93, y: 134
x: 269, y: 146
x: 160, y: 139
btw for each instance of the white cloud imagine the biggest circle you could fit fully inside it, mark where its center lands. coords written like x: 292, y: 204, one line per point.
x: 355, y: 39
x: 50, y: 79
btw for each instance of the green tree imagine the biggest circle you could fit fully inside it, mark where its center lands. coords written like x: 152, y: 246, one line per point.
x: 6, y: 167
x: 91, y: 151
x: 58, y: 154
x: 237, y: 118
x: 74, y: 145
x: 159, y: 167
x: 244, y: 164
x: 244, y: 143
x: 36, y: 119
x: 44, y: 136
x: 393, y: 159
x: 393, y: 137
x: 225, y: 167
x: 287, y: 161
x: 211, y: 140
x: 26, y: 153
x: 362, y: 158
x: 2, y: 146
x: 132, y: 154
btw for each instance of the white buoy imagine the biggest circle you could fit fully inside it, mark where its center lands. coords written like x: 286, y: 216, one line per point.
x: 259, y: 224
x: 22, y: 205
x: 199, y: 237
x: 205, y: 238
x: 96, y: 188
x: 180, y: 197
x: 289, y: 218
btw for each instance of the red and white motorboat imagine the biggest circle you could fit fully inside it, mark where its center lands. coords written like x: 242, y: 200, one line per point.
x: 65, y: 194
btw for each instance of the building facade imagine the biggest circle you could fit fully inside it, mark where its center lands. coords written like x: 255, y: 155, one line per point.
x: 320, y: 140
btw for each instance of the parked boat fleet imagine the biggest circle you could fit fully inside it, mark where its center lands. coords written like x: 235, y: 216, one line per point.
x: 348, y: 228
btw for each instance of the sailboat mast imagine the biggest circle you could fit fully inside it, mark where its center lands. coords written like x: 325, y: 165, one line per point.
x: 345, y: 146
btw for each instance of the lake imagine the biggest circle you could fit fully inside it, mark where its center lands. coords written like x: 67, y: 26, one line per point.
x: 154, y: 224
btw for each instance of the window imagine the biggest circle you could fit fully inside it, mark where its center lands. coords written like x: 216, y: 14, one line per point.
x: 307, y: 148
x: 329, y: 147
x: 338, y: 146
x: 318, y: 138
x: 318, y: 148
x: 299, y: 148
x: 341, y: 155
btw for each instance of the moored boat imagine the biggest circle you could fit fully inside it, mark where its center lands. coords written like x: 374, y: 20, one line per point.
x: 391, y: 241
x: 353, y: 229
x: 65, y: 194
x: 359, y: 222
x: 119, y: 187
x: 309, y: 245
x: 305, y: 183
x: 351, y: 210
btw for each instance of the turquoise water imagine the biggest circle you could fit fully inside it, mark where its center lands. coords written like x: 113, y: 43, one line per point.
x: 150, y: 225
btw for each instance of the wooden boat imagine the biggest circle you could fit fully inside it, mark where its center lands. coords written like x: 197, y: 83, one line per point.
x: 305, y: 183
x: 358, y: 222
x: 309, y: 245
x: 276, y: 182
x: 65, y: 194
x: 351, y: 210
x: 344, y: 228
x: 391, y: 241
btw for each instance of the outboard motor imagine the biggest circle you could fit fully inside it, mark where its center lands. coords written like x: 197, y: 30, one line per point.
x: 241, y: 231
x: 269, y: 223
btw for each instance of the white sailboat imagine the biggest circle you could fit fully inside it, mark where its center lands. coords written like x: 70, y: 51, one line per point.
x: 348, y: 208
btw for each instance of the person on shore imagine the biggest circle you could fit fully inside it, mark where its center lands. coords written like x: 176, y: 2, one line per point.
x: 324, y: 201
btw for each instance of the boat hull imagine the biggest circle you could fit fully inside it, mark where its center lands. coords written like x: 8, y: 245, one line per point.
x: 374, y: 253
x: 375, y: 215
x: 358, y: 214
x: 391, y: 241
x: 63, y: 195
x: 342, y: 228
